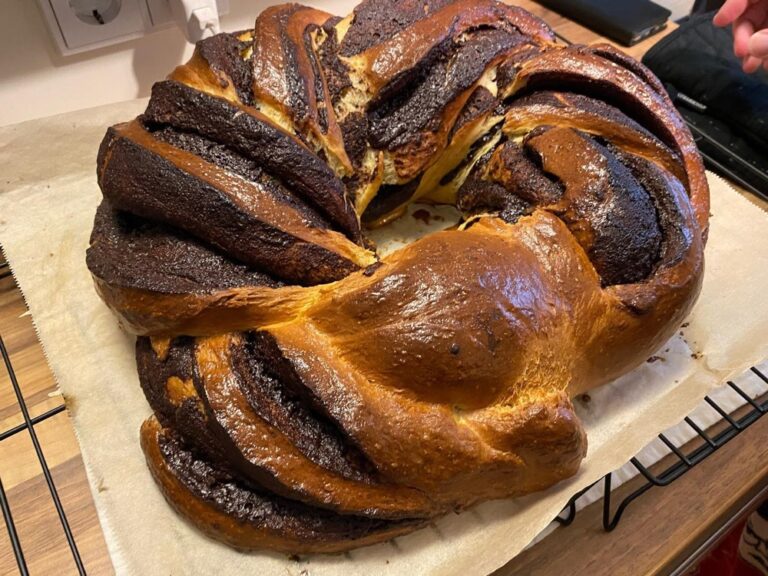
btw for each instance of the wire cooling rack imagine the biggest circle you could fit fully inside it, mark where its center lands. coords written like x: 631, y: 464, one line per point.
x: 704, y: 445
x: 611, y: 518
x: 29, y: 426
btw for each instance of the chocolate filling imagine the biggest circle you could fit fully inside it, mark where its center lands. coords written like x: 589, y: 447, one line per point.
x: 677, y: 236
x: 389, y: 197
x: 335, y: 71
x: 186, y: 417
x: 276, y: 395
x: 223, y: 52
x: 297, y: 82
x: 480, y: 102
x: 257, y: 139
x: 449, y: 70
x: 564, y: 100
x: 144, y: 183
x: 519, y: 171
x: 354, y: 130
x: 259, y: 508
x: 220, y: 155
x: 317, y: 76
x: 134, y: 253
x: 477, y: 196
x: 507, y: 70
x: 557, y: 80
x: 476, y: 145
x: 610, y: 213
x: 376, y: 21
x: 618, y: 57
x: 273, y: 25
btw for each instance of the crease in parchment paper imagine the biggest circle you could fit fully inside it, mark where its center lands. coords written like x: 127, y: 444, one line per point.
x: 48, y: 197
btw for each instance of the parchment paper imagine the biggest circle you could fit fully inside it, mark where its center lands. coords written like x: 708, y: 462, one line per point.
x: 46, y: 210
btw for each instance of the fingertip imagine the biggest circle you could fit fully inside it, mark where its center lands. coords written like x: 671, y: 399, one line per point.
x: 758, y: 44
x: 729, y: 12
x: 751, y: 64
x: 721, y: 20
x: 742, y: 32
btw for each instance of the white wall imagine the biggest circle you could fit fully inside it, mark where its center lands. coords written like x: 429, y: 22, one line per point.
x: 679, y: 8
x: 35, y: 81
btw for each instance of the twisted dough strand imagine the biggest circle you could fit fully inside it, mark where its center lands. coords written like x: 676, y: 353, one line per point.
x: 312, y: 396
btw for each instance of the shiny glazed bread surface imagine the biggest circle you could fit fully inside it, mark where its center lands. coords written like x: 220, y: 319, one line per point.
x: 312, y: 396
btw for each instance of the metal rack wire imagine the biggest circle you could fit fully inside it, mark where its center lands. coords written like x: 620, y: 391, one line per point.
x: 29, y: 425
x: 683, y: 461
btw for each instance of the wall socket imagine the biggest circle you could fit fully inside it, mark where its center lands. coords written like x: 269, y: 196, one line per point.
x: 81, y: 25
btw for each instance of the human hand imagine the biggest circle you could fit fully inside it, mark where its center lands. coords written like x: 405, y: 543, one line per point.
x: 750, y: 31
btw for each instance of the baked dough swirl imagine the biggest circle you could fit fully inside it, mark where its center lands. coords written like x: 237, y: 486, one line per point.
x: 312, y: 396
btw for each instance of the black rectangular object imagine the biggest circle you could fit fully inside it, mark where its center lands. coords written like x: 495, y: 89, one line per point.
x: 627, y: 22
x: 725, y: 108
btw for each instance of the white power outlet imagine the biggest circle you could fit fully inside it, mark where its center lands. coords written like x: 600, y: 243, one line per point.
x: 161, y: 15
x: 81, y: 25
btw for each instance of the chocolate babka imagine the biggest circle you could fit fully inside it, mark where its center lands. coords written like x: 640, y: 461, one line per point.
x: 310, y: 395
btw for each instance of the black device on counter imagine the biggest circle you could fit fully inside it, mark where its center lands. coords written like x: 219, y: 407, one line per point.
x: 625, y: 21
x: 726, y: 109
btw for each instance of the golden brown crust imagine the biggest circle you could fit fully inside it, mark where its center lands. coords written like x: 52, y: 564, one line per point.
x: 280, y: 526
x: 439, y: 375
x: 286, y: 56
x: 567, y: 111
x: 133, y: 158
x: 289, y: 472
x: 579, y: 65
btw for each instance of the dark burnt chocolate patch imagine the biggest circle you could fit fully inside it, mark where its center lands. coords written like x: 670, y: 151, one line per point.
x: 222, y: 156
x: 148, y: 185
x: 376, y: 21
x: 257, y: 506
x: 223, y: 52
x: 276, y: 394
x: 389, y: 197
x: 449, y: 70
x: 300, y: 170
x: 185, y: 417
x: 131, y: 252
x: 335, y: 71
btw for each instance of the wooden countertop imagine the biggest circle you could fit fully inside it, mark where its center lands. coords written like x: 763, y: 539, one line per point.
x: 663, y: 527
x: 42, y: 538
